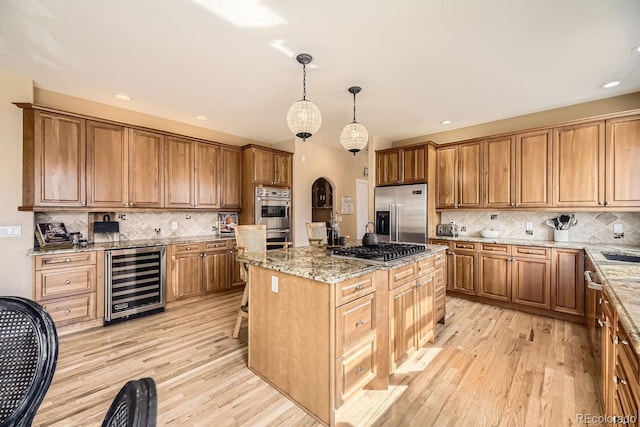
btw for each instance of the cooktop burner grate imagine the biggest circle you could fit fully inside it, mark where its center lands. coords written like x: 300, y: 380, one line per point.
x: 383, y: 252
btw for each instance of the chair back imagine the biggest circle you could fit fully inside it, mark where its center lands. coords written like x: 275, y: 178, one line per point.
x: 317, y: 233
x: 251, y: 238
x: 28, y: 357
x: 135, y: 405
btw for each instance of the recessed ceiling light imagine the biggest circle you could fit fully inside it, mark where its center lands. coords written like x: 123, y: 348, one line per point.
x: 445, y: 122
x: 121, y: 97
x: 636, y: 49
x: 610, y: 84
x: 203, y: 118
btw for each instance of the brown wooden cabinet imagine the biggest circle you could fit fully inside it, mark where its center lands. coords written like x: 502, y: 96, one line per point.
x: 125, y: 167
x: 567, y: 283
x: 578, y: 170
x: 53, y: 172
x: 531, y: 276
x: 267, y: 166
x: 69, y: 286
x: 403, y: 165
x: 208, y: 178
x: 439, y: 287
x: 231, y: 180
x: 464, y: 268
x: 459, y: 176
x: 180, y: 173
x: 608, y: 360
x: 199, y: 268
x: 495, y: 272
x: 622, y: 149
x: 499, y: 164
x: 533, y: 166
x: 424, y: 315
x: 402, y: 320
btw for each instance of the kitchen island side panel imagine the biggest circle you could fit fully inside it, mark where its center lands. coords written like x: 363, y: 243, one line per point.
x: 290, y: 343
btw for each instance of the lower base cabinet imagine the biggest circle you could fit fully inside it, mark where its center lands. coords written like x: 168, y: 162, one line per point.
x: 66, y: 285
x: 196, y: 269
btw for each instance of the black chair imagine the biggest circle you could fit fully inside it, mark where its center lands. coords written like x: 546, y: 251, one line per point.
x: 135, y: 405
x: 28, y: 357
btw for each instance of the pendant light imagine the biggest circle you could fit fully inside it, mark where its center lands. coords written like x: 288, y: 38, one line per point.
x: 354, y: 136
x: 304, y: 117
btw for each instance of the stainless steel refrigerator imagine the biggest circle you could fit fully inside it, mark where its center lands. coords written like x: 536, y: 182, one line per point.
x: 401, y: 213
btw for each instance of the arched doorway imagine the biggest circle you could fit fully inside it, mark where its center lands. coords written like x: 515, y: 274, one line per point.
x: 321, y: 200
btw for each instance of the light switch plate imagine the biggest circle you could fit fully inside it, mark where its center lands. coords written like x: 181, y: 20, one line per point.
x: 274, y: 284
x: 174, y: 225
x: 11, y: 231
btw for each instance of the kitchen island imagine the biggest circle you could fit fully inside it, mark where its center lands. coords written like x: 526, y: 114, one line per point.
x: 322, y: 328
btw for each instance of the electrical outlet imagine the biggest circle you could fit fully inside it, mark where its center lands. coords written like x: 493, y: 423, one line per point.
x: 157, y: 230
x: 174, y: 225
x: 494, y: 216
x: 274, y: 284
x: 617, y: 228
x: 463, y: 229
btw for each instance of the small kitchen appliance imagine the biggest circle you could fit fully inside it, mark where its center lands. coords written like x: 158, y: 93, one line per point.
x: 449, y: 230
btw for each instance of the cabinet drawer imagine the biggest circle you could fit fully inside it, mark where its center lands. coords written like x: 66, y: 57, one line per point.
x: 215, y: 245
x: 439, y: 306
x: 58, y: 282
x: 352, y: 289
x: 532, y: 252
x: 626, y: 353
x: 426, y: 266
x: 187, y: 248
x: 465, y: 245
x: 44, y: 262
x: 496, y: 249
x: 402, y: 275
x: 72, y: 309
x: 354, y: 322
x: 355, y: 370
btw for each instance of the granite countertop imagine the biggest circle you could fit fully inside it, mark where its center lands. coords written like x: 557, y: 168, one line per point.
x: 620, y: 279
x: 316, y: 263
x: 129, y: 244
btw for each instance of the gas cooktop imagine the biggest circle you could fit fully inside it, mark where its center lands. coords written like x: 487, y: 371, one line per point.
x: 381, y: 253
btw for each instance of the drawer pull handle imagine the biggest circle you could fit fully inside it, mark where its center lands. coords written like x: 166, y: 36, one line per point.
x: 67, y: 260
x: 440, y: 308
x: 360, y: 323
x: 529, y: 252
x: 621, y: 341
x: 66, y: 282
x: 360, y: 370
x: 492, y: 249
x: 618, y: 380
x: 439, y: 280
x: 188, y: 248
x: 359, y: 287
x: 67, y: 311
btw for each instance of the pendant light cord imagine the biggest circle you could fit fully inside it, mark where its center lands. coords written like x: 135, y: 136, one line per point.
x: 354, y: 108
x: 304, y: 82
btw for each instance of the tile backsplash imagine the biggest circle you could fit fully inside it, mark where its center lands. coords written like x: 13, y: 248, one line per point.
x: 592, y: 227
x: 141, y: 225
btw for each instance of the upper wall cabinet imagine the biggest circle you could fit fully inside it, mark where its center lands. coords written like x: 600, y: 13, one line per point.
x: 578, y: 166
x: 404, y: 165
x: 622, y: 153
x: 517, y: 170
x: 268, y: 167
x: 459, y: 172
x: 53, y: 172
x: 125, y: 167
x: 231, y: 188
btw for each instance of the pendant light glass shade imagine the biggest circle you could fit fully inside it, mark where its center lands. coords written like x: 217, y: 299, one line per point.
x: 354, y: 136
x: 304, y: 117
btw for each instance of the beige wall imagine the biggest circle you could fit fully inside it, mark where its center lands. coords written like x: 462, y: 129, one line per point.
x: 337, y: 165
x: 544, y: 118
x: 15, y: 264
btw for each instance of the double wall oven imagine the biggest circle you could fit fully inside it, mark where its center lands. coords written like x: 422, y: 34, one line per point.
x: 273, y: 209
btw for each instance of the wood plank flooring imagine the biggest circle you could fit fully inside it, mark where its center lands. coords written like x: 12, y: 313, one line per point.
x: 488, y: 366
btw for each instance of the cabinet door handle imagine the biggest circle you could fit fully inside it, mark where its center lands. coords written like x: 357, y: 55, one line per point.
x: 360, y: 370
x: 360, y: 323
x: 67, y: 311
x: 67, y: 282
x: 440, y: 308
x: 618, y: 380
x: 620, y: 341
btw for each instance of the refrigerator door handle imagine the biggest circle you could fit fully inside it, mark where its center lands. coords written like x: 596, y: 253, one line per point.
x: 398, y: 221
x: 392, y: 222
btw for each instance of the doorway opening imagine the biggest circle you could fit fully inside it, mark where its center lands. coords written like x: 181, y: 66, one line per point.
x: 321, y: 200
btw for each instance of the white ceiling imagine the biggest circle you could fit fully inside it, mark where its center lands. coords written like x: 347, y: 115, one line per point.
x: 418, y: 61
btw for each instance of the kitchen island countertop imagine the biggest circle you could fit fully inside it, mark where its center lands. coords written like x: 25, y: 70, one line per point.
x: 316, y: 263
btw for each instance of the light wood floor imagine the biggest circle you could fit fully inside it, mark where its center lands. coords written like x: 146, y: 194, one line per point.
x: 489, y: 366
